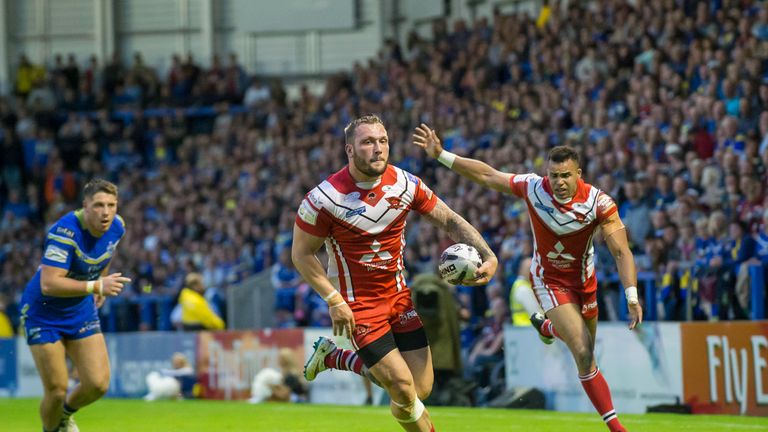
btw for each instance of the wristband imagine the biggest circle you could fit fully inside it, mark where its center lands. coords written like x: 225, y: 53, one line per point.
x: 337, y: 305
x: 631, y: 293
x: 446, y: 158
x: 332, y: 296
x: 101, y: 287
x: 89, y: 286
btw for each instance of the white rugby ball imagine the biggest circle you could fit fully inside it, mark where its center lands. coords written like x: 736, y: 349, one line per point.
x: 458, y: 263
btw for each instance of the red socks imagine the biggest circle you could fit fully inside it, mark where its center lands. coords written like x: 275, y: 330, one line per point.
x: 597, y: 389
x: 547, y: 329
x: 344, y: 360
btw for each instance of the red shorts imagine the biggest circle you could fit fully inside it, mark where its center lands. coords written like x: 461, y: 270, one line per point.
x: 374, y: 317
x: 550, y: 297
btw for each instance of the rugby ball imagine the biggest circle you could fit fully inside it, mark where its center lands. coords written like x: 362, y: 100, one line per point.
x: 458, y: 263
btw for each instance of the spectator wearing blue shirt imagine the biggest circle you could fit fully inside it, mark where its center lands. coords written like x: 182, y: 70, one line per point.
x: 636, y: 215
x: 741, y: 248
x: 760, y: 258
x: 285, y: 280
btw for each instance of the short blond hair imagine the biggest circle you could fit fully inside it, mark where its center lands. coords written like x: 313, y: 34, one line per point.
x: 193, y: 278
x: 349, y: 131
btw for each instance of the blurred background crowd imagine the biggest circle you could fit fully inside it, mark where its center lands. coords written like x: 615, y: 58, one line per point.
x: 667, y: 102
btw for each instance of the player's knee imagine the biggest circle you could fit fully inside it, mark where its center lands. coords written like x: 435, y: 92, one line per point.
x: 584, y: 357
x: 401, y: 389
x: 423, y: 391
x: 56, y: 392
x: 98, y: 387
x: 101, y: 388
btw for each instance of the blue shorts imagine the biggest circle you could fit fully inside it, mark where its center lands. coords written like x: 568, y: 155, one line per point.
x: 42, y: 330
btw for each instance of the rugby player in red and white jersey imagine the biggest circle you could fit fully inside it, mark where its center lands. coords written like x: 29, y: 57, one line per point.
x: 565, y: 212
x: 359, y: 215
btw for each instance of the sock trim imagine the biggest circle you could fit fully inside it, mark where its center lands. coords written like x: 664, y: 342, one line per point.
x: 610, y: 415
x: 590, y: 375
x: 68, y: 409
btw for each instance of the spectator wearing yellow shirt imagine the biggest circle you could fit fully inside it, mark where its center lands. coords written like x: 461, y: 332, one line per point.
x: 522, y: 301
x: 196, y: 313
x: 27, y: 75
x: 6, y: 328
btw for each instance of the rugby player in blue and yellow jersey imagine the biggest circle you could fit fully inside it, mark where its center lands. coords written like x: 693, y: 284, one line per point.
x: 59, y: 304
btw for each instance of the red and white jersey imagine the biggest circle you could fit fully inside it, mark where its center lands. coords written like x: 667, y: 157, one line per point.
x: 563, y: 254
x: 364, y: 228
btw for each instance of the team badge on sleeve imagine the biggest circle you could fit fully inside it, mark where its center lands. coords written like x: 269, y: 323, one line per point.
x: 307, y: 213
x: 56, y: 254
x: 605, y: 203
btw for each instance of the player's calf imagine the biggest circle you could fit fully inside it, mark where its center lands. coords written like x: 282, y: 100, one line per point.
x: 328, y: 356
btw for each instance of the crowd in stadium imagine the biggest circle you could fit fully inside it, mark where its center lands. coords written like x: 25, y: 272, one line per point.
x: 667, y: 102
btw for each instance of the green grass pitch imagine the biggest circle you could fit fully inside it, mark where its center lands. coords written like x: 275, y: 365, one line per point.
x: 206, y: 416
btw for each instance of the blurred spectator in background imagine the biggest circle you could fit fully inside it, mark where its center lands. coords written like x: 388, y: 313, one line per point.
x: 6, y: 328
x: 487, y: 355
x: 175, y: 383
x: 522, y: 300
x: 741, y: 249
x: 196, y: 313
x: 27, y: 75
x: 284, y: 385
x: 285, y: 280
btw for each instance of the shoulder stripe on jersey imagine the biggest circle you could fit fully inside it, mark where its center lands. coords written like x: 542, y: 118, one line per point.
x: 87, y: 259
x: 552, y: 217
x: 363, y: 215
x: 122, y: 221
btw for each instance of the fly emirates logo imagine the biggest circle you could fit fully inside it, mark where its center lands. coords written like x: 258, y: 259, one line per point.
x: 731, y: 366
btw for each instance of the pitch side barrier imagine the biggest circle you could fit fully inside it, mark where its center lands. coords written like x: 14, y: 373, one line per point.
x: 709, y: 367
x: 225, y: 363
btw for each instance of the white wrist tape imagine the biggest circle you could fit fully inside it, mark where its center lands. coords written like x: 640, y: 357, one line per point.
x: 337, y: 305
x: 101, y: 287
x: 446, y: 158
x: 631, y: 293
x: 330, y: 296
x: 89, y: 286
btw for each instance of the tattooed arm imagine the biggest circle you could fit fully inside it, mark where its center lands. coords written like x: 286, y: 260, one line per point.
x: 460, y: 231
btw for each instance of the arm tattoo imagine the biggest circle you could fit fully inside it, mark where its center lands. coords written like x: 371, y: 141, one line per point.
x: 458, y: 229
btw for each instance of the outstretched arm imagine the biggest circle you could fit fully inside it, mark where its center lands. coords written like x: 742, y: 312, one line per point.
x: 460, y: 231
x: 475, y: 170
x: 616, y: 238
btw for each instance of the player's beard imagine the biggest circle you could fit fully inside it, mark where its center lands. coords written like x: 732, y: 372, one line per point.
x: 366, y: 167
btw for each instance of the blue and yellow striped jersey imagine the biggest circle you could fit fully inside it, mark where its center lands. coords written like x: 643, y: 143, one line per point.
x: 70, y: 246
